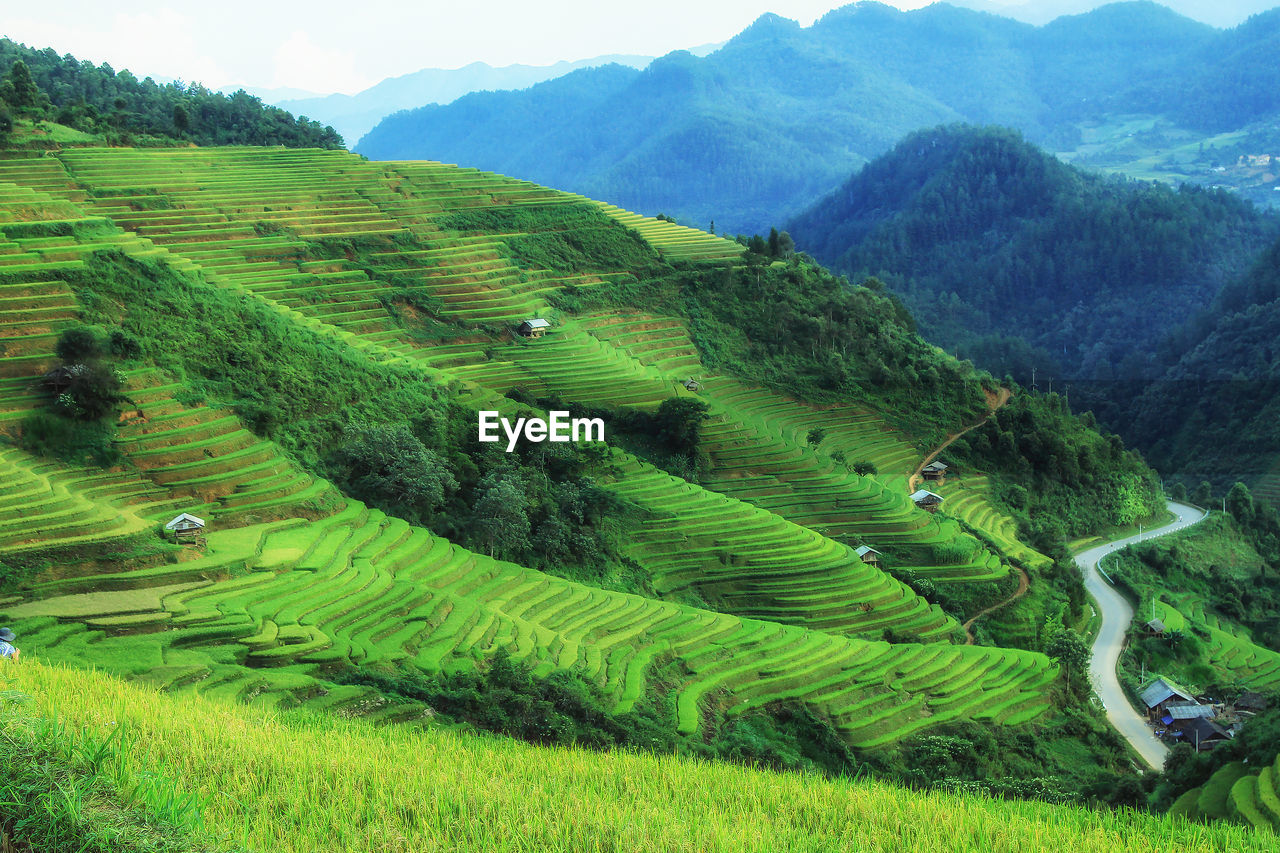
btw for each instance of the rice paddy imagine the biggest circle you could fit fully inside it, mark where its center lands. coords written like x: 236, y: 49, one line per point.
x: 295, y: 580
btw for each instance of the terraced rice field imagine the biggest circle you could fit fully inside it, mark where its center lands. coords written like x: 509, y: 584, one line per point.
x: 1228, y: 648
x: 968, y: 500
x: 1235, y: 793
x: 677, y: 242
x: 295, y: 580
x: 270, y: 604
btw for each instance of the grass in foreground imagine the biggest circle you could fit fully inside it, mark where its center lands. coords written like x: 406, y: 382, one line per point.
x: 300, y: 783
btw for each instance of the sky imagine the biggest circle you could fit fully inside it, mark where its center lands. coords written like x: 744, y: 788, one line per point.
x: 324, y: 46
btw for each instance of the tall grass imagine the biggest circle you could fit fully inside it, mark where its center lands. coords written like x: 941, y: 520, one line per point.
x: 283, y: 782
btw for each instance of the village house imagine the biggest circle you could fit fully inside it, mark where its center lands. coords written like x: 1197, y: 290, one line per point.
x: 533, y: 328
x: 927, y: 500
x: 1201, y: 733
x: 869, y: 555
x: 934, y: 471
x: 185, y: 527
x: 1159, y: 694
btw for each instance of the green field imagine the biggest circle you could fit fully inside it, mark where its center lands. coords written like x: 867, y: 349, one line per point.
x: 300, y: 782
x: 296, y: 581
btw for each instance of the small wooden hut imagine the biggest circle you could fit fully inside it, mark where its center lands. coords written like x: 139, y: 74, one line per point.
x: 533, y: 328
x: 185, y: 527
x: 869, y: 555
x: 927, y: 500
x: 936, y: 471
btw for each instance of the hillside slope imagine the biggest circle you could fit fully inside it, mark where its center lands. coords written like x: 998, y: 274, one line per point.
x: 362, y: 281
x: 1020, y: 261
x: 296, y: 783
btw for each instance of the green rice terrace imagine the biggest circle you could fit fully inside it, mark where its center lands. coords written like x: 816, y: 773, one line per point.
x: 1236, y: 793
x: 758, y: 593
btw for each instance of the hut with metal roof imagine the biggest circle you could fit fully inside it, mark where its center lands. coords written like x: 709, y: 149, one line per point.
x: 533, y: 328
x: 185, y: 526
x: 927, y: 500
x: 869, y: 555
x: 1159, y: 693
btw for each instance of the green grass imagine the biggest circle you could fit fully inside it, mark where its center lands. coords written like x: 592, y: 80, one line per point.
x: 293, y: 782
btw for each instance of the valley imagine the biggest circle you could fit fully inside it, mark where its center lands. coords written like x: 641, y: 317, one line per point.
x: 353, y: 503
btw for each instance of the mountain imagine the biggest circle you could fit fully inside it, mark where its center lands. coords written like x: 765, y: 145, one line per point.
x: 354, y: 115
x: 1017, y: 260
x: 1044, y: 11
x: 1213, y: 413
x: 758, y: 130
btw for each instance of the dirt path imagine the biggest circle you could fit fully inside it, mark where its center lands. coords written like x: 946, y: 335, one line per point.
x: 1024, y: 583
x: 994, y: 402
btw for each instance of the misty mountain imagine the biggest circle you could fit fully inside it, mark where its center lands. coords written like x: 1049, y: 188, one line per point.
x: 758, y: 130
x: 354, y: 115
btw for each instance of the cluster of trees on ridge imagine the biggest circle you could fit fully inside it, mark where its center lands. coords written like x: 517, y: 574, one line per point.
x: 40, y: 85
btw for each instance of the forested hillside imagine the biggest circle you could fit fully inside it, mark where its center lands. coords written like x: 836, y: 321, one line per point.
x: 118, y: 108
x: 1018, y: 261
x: 1223, y: 383
x: 756, y: 131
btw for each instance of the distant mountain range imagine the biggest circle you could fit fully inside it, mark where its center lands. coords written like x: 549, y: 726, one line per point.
x: 354, y: 115
x: 758, y: 130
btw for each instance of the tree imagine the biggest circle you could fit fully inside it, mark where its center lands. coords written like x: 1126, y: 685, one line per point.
x: 21, y: 92
x: 501, y: 519
x: 181, y: 120
x: 1070, y: 651
x: 78, y: 344
x: 786, y: 245
x: 816, y: 435
x: 388, y: 466
x: 86, y: 392
x: 679, y: 422
x: 1240, y: 504
x: 1203, y: 494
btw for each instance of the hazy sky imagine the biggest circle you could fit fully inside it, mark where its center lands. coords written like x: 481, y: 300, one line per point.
x: 325, y: 46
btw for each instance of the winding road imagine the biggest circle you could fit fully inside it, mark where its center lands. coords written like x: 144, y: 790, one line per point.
x: 1116, y: 616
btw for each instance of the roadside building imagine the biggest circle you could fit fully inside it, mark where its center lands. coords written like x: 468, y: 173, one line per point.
x: 1202, y: 734
x: 1158, y: 694
x: 934, y: 471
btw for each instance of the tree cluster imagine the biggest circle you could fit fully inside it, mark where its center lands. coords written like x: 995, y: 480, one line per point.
x: 41, y: 85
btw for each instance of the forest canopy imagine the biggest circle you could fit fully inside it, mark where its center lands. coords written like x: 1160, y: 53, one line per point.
x: 40, y: 85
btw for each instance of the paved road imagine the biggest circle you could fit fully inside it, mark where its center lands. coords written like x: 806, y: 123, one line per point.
x: 1116, y: 616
